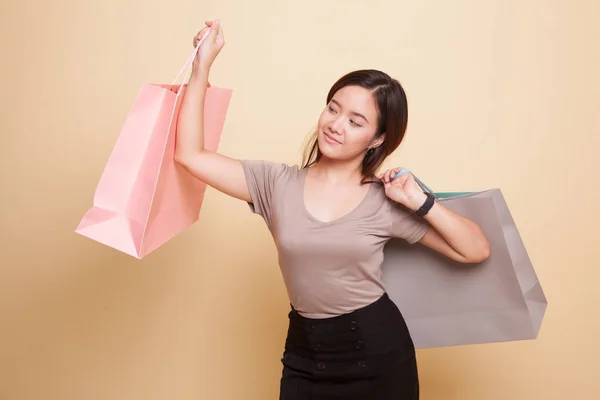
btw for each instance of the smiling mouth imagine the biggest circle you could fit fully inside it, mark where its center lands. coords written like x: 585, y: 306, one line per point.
x: 332, y: 139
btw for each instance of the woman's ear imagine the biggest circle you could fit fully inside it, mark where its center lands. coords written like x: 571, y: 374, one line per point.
x: 378, y: 141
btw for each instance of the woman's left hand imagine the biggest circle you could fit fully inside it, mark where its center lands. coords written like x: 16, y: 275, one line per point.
x: 404, y: 189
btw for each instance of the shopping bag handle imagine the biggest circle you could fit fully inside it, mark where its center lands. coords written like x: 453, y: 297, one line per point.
x: 421, y: 184
x: 190, y: 62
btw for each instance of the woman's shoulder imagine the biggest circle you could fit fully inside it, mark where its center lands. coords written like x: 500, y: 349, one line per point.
x: 382, y: 203
x: 378, y: 193
x: 272, y: 170
x: 400, y: 222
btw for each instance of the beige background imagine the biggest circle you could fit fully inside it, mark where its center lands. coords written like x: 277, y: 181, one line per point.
x: 502, y: 94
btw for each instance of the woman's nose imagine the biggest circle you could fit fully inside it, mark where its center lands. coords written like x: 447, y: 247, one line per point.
x: 335, y: 125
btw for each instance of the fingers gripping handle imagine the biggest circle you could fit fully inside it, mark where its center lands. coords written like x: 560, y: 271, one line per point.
x: 188, y: 64
x: 422, y: 185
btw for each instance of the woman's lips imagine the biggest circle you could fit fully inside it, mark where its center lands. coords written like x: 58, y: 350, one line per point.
x: 331, y: 139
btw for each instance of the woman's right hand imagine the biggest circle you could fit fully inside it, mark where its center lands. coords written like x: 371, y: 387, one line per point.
x: 210, y: 47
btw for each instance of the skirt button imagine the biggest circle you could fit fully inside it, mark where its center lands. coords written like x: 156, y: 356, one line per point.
x: 321, y: 366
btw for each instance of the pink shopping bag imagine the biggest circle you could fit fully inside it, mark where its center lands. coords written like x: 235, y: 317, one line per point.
x: 144, y: 198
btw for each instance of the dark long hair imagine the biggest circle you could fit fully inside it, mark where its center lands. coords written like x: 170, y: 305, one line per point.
x: 392, y: 110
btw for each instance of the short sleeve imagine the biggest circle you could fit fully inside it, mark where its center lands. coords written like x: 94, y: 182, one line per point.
x: 261, y: 178
x: 406, y: 225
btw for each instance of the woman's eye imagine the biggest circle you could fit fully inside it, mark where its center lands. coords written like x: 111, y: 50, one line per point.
x: 353, y: 122
x: 331, y: 110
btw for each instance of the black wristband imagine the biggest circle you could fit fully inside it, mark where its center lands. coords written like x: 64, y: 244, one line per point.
x: 421, y: 212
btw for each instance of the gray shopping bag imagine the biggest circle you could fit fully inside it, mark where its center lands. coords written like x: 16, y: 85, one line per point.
x: 446, y: 303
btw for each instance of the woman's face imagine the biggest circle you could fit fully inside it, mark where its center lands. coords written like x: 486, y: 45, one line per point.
x: 348, y: 124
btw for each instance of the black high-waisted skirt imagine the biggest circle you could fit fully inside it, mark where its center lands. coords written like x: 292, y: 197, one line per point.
x: 367, y: 354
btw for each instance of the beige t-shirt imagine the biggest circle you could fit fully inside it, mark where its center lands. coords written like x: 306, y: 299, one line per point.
x: 329, y: 268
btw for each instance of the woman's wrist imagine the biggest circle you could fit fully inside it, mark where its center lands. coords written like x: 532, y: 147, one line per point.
x: 414, y: 203
x: 426, y: 205
x: 199, y: 71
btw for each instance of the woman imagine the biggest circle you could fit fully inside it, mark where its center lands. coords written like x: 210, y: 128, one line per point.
x: 330, y: 220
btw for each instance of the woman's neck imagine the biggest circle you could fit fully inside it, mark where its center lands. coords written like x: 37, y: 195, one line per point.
x: 338, y: 172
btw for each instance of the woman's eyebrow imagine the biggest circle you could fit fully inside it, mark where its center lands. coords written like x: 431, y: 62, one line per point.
x: 351, y: 112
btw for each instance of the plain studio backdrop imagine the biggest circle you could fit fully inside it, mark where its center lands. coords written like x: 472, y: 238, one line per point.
x: 502, y: 94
